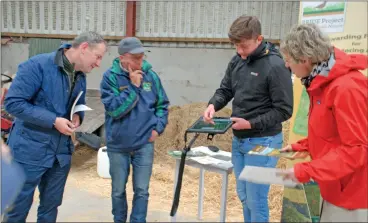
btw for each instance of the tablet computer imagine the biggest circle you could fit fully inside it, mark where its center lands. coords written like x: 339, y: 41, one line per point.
x: 222, y: 124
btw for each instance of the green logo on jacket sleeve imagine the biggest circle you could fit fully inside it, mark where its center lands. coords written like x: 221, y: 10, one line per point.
x: 147, y: 86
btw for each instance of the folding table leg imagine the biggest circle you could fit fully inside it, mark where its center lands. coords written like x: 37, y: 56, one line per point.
x: 225, y: 180
x: 200, y: 194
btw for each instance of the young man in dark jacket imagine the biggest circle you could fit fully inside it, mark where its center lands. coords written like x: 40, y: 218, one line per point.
x: 41, y: 97
x: 261, y: 86
x: 136, y: 113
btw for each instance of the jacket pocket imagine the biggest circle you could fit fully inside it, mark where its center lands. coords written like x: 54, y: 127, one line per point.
x: 134, y: 130
x: 330, y: 191
x: 116, y: 125
x: 346, y: 181
x: 43, y: 100
x: 32, y: 145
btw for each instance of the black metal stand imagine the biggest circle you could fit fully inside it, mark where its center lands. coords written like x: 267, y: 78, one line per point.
x: 175, y: 204
x: 210, y: 136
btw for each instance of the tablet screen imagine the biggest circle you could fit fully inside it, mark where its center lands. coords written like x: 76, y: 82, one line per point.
x: 221, y: 126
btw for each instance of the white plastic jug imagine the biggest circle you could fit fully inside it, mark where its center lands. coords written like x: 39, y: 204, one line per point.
x: 103, y: 164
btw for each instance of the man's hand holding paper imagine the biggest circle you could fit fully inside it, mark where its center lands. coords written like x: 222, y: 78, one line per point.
x: 76, y: 121
x: 64, y: 126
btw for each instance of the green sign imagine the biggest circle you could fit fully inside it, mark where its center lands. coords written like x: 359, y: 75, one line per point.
x: 301, y: 203
x: 301, y: 119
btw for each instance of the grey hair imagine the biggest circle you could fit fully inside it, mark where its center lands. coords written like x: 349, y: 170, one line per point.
x: 307, y: 41
x: 92, y: 38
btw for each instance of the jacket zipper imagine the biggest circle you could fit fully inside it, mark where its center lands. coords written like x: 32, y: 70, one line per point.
x: 72, y: 87
x: 310, y: 110
x: 310, y: 104
x: 70, y: 95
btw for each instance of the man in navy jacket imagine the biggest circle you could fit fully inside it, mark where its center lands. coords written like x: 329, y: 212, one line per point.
x: 136, y: 113
x: 40, y: 98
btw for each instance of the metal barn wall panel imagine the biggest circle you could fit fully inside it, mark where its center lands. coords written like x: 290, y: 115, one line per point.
x: 64, y: 17
x: 42, y: 45
x: 205, y: 19
x: 189, y: 45
x: 191, y: 19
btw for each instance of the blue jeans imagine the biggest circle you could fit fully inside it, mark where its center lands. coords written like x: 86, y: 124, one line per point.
x: 254, y: 197
x: 142, y: 161
x: 50, y: 182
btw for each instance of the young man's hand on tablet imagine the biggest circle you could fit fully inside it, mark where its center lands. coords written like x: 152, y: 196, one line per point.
x: 208, y: 114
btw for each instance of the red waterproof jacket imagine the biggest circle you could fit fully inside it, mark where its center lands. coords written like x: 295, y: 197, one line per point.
x: 338, y: 133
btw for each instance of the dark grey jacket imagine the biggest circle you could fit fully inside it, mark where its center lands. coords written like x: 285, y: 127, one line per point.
x: 262, y: 90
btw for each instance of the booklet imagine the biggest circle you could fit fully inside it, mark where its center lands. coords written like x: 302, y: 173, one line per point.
x: 268, y: 151
x: 77, y: 108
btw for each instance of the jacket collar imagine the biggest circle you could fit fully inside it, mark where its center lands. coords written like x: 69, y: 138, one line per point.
x: 342, y: 65
x: 58, y: 60
x: 261, y: 49
x: 264, y: 49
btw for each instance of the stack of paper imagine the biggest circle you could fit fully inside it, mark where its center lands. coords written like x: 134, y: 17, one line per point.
x: 206, y: 160
x: 206, y: 150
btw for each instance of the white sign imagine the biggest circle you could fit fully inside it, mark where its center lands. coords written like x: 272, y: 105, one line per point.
x: 329, y: 16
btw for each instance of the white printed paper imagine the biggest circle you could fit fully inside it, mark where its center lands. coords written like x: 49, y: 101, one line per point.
x: 78, y: 108
x: 207, y: 151
x: 264, y: 175
x: 206, y: 160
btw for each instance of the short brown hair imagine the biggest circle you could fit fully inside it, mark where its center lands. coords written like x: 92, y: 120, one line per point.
x: 245, y: 27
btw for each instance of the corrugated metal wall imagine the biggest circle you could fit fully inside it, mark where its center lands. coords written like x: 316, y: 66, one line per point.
x: 211, y: 19
x: 42, y: 45
x: 64, y: 17
x: 191, y: 19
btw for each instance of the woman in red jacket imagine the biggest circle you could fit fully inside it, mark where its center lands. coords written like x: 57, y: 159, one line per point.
x: 337, y: 126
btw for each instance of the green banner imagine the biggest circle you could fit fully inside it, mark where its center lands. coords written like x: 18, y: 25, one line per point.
x: 301, y: 119
x: 301, y: 203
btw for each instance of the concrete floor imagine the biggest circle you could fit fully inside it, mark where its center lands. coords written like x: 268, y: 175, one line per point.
x: 82, y: 206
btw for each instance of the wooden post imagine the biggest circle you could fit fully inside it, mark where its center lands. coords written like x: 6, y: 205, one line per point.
x: 130, y: 18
